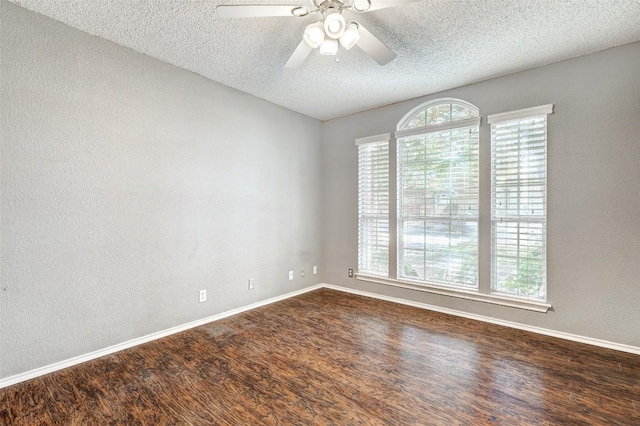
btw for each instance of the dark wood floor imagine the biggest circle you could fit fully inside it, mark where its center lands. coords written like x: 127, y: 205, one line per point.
x: 331, y: 358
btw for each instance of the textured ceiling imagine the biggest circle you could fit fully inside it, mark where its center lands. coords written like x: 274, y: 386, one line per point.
x: 440, y: 44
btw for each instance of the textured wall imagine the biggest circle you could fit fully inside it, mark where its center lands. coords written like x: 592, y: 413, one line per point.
x: 594, y: 192
x: 128, y: 184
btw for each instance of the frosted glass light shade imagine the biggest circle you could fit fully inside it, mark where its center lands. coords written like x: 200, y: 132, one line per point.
x: 329, y: 47
x: 334, y: 25
x: 350, y: 37
x: 314, y: 35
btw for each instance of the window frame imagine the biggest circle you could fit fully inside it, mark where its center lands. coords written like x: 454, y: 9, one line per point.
x: 519, y: 220
x: 403, y: 136
x: 383, y: 139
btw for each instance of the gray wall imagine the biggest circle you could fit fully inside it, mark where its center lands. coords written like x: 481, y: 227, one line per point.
x: 594, y: 192
x: 127, y: 185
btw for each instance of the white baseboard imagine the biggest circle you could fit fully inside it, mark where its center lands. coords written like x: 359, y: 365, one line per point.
x: 562, y: 335
x: 32, y: 374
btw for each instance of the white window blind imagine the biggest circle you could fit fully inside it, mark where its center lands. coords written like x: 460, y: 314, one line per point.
x: 519, y: 202
x: 438, y: 198
x: 373, y: 205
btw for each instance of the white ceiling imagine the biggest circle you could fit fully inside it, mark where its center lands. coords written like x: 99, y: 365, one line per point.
x: 440, y: 44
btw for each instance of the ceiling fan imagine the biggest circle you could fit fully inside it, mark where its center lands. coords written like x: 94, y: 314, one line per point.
x: 330, y: 32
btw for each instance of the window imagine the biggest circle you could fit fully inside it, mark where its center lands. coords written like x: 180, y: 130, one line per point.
x: 373, y: 205
x: 519, y: 202
x: 437, y: 194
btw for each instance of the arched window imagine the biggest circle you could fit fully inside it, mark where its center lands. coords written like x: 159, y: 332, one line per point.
x: 437, y: 194
x: 438, y: 112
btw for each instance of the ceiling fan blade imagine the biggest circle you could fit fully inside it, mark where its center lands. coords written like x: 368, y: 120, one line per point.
x: 256, y: 10
x: 383, y: 4
x: 299, y: 55
x: 374, y: 47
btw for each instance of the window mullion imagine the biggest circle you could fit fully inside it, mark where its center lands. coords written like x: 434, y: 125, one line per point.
x: 394, y: 182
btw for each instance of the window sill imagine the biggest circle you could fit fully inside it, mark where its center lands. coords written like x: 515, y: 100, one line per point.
x: 461, y: 294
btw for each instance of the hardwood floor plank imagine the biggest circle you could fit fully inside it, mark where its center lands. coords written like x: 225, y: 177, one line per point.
x: 330, y: 358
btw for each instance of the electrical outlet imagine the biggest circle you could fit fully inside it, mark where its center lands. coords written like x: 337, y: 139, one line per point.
x: 250, y: 283
x: 350, y: 273
x: 315, y: 269
x: 203, y: 296
x: 302, y: 273
x: 290, y: 275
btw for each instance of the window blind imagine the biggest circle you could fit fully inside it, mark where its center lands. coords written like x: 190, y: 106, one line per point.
x: 438, y: 206
x: 519, y: 205
x: 373, y: 205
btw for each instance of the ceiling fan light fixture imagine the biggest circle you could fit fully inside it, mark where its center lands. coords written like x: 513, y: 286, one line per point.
x: 334, y: 25
x: 351, y: 36
x: 329, y: 47
x: 314, y: 35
